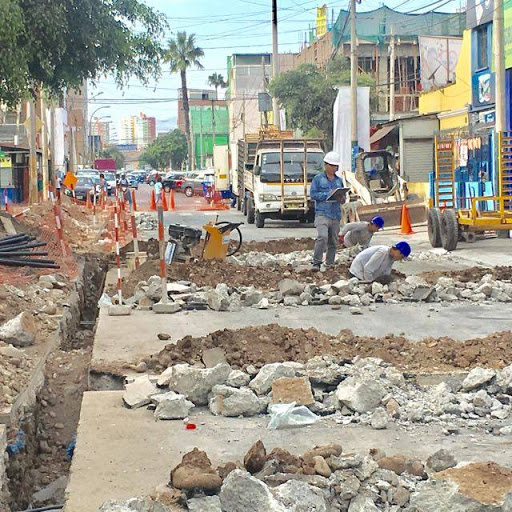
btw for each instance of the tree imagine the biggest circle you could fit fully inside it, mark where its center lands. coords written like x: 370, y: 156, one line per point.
x: 308, y: 95
x: 182, y: 53
x: 217, y: 80
x: 169, y: 148
x: 57, y: 44
x: 115, y: 153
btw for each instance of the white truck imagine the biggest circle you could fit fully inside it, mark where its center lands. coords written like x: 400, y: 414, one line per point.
x: 274, y: 176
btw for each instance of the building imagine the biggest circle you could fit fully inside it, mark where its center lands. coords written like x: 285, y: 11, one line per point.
x: 77, y: 127
x: 196, y: 98
x: 139, y: 130
x: 126, y: 130
x: 101, y: 129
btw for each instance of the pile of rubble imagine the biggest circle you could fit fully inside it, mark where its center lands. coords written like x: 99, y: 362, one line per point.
x: 366, y: 391
x: 146, y: 221
x: 15, y: 369
x: 326, y: 479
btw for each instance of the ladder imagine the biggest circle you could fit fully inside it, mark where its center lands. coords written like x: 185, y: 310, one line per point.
x: 445, y: 172
x: 505, y: 167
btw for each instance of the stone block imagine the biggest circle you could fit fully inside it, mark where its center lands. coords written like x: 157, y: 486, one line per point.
x: 292, y: 389
x: 119, y: 310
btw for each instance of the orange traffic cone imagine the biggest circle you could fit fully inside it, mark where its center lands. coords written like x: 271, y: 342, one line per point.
x: 152, y: 204
x: 172, y: 204
x: 405, y: 222
x: 134, y: 203
x: 164, y: 202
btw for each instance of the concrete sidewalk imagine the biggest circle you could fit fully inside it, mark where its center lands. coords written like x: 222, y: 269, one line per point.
x: 122, y: 453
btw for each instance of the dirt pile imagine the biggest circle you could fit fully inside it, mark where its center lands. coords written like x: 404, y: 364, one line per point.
x: 272, y: 343
x: 472, y: 274
x: 279, y: 246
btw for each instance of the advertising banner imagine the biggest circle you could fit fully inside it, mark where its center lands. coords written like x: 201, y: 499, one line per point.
x: 478, y: 12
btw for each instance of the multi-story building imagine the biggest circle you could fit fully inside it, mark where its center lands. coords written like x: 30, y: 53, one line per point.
x: 126, y: 130
x: 196, y: 98
x: 101, y: 129
x: 139, y: 130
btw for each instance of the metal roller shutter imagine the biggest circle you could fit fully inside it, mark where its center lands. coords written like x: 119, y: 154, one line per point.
x: 418, y: 159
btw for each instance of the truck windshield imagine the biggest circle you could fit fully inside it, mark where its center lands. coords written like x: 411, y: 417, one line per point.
x: 293, y: 166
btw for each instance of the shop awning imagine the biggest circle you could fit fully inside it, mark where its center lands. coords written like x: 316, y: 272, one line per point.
x: 381, y: 133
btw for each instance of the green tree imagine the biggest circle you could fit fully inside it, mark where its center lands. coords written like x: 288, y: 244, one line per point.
x: 169, y: 148
x: 116, y: 154
x: 217, y: 80
x: 308, y: 95
x: 57, y: 44
x: 181, y: 54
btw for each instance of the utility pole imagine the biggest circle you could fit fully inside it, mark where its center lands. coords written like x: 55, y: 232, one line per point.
x: 52, y: 141
x: 243, y: 113
x: 499, y: 64
x: 275, y: 63
x: 392, y: 76
x: 265, y: 113
x: 44, y: 133
x: 213, y: 130
x: 201, y: 136
x: 32, y: 182
x: 353, y: 79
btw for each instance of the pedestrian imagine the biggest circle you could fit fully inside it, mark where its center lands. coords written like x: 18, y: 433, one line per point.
x: 158, y: 190
x: 360, y: 233
x: 40, y: 187
x: 327, y: 213
x: 376, y: 262
x: 124, y: 187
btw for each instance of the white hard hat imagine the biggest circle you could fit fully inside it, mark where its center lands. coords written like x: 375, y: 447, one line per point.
x: 332, y: 158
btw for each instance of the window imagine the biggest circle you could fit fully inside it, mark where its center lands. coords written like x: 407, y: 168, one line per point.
x: 482, y: 47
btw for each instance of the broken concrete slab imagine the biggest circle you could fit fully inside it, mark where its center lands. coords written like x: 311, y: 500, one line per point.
x: 166, y: 307
x: 172, y: 406
x: 139, y: 392
x: 298, y: 496
x: 360, y: 396
x: 227, y: 401
x: 204, y: 504
x: 119, y: 310
x: 262, y: 383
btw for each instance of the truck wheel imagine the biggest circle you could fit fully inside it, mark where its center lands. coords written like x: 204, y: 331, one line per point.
x: 434, y: 227
x: 449, y: 230
x: 250, y: 211
x: 260, y: 220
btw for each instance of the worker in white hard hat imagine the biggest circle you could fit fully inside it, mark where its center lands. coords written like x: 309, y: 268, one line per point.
x: 327, y: 212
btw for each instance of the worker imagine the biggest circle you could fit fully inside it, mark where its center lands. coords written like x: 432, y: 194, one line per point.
x: 124, y: 189
x: 375, y: 263
x: 158, y: 190
x: 327, y: 213
x: 360, y: 233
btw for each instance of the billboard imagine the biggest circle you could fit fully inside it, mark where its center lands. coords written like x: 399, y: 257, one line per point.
x: 438, y: 59
x: 483, y: 85
x: 479, y: 12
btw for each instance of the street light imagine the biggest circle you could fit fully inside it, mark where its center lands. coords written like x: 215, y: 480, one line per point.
x: 90, y: 126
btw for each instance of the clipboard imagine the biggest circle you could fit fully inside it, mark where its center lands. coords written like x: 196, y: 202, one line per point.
x: 338, y: 194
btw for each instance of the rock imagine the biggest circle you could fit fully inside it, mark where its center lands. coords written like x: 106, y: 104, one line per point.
x: 134, y: 505
x: 263, y: 303
x: 356, y: 311
x: 379, y: 419
x: 167, y: 495
x: 11, y: 351
x: 242, y: 492
x: 396, y: 463
x: 237, y: 379
x: 218, y: 299
x: 477, y: 377
x: 172, y: 406
x: 20, y: 331
x: 335, y: 301
x: 205, y: 504
x: 485, y: 288
x: 345, y: 462
x: 347, y: 487
x: 145, y: 304
x: 49, y: 309
x: 360, y: 396
x: 291, y: 287
x: 321, y: 466
x: 235, y: 304
x: 255, y: 458
x: 366, y: 469
x: 393, y: 408
x: 142, y: 367
x: 195, y: 472
x: 262, y: 383
x: 213, y: 356
x: 325, y: 451
x: 196, y: 383
x: 291, y: 301
x: 251, y: 297
x: 165, y: 377
x: 139, y: 392
x: 53, y: 493
x: 163, y: 336
x: 228, y: 401
x: 400, y: 496
x: 441, y: 460
x: 166, y: 307
x: 377, y: 288
x: 292, y: 389
x: 415, y: 468
x: 342, y: 286
x: 176, y: 288
x: 362, y: 503
x: 298, y: 496
x: 482, y: 399
x: 504, y: 379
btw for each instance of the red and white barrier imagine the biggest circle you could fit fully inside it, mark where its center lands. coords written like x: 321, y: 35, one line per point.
x: 58, y: 224
x: 161, y: 244
x: 135, y: 237
x: 118, y: 255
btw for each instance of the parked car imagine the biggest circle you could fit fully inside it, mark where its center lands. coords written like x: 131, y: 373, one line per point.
x: 193, y: 183
x: 133, y: 182
x: 173, y: 180
x: 85, y: 185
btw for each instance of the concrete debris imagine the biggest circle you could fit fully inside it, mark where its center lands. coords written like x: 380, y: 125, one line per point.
x: 292, y: 389
x: 196, y: 383
x: 360, y: 396
x: 262, y: 383
x: 139, y: 392
x: 477, y: 377
x: 53, y: 493
x: 380, y: 419
x: 291, y: 287
x: 441, y: 460
x: 134, y: 505
x: 171, y: 406
x: 362, y: 503
x: 298, y: 496
x: 204, y: 504
x: 227, y: 401
x: 237, y: 379
x: 166, y: 307
x: 213, y: 356
x: 20, y: 331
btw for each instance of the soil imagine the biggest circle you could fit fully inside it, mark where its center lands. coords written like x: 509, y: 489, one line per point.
x: 487, y: 483
x: 279, y: 246
x: 213, y: 272
x: 273, y: 343
x: 473, y: 274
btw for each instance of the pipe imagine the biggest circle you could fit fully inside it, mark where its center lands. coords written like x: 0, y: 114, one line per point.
x: 44, y: 509
x: 16, y: 240
x: 27, y: 263
x: 24, y: 246
x: 23, y: 253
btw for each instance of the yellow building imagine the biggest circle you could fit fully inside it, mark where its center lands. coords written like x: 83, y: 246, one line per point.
x: 451, y: 103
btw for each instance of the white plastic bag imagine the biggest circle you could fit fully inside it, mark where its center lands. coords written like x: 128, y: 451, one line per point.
x: 290, y: 415
x: 105, y: 301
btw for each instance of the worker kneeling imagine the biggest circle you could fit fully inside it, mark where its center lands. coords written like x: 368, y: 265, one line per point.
x: 360, y: 233
x: 376, y: 262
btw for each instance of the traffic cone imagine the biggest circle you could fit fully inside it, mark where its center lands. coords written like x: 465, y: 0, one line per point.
x: 152, y: 204
x: 134, y: 203
x: 164, y: 202
x: 405, y: 222
x: 172, y: 204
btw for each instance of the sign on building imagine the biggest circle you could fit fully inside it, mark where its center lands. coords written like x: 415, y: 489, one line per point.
x: 438, y: 58
x: 478, y: 12
x: 6, y: 174
x: 264, y: 102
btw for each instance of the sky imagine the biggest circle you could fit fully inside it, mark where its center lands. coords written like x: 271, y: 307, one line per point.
x: 223, y: 28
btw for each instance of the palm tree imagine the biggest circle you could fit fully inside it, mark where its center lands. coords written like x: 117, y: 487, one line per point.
x: 181, y: 54
x: 215, y: 80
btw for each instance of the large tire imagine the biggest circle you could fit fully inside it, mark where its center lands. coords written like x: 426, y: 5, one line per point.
x: 449, y: 230
x: 189, y: 192
x: 434, y: 227
x: 251, y: 213
x: 259, y: 220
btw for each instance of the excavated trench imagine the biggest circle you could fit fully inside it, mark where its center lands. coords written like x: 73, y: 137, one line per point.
x: 40, y: 444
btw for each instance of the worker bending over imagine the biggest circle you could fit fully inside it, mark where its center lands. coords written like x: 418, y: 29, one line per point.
x: 360, y: 233
x: 376, y: 262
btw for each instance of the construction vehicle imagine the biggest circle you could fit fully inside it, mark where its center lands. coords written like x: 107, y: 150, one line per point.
x: 274, y: 176
x: 459, y: 214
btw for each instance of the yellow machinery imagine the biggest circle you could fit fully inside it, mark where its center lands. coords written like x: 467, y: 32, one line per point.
x: 448, y: 223
x: 218, y: 244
